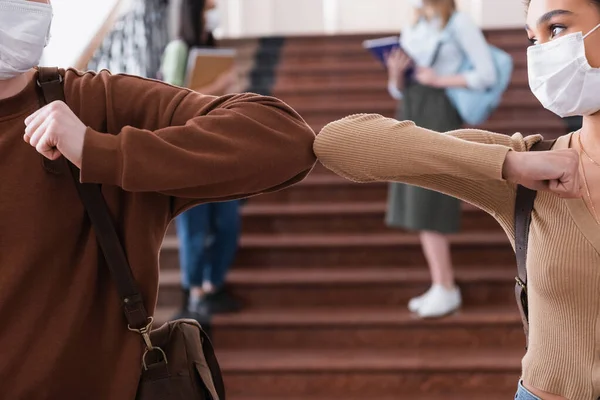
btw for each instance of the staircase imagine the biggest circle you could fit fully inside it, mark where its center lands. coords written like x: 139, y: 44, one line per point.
x: 325, y: 283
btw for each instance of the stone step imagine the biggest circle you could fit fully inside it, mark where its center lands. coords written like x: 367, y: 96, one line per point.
x: 366, y: 287
x: 370, y: 373
x: 346, y: 217
x: 354, y: 56
x: 472, y: 328
x: 367, y: 75
x: 294, y: 48
x: 316, y: 96
x: 385, y: 249
x: 353, y: 105
x: 415, y: 396
x: 327, y: 188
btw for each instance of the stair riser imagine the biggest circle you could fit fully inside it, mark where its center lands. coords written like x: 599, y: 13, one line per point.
x: 472, y: 221
x: 369, y: 295
x: 359, y: 256
x: 330, y: 99
x: 368, y: 76
x: 343, y: 59
x: 327, y: 193
x: 372, y: 384
x: 508, y: 336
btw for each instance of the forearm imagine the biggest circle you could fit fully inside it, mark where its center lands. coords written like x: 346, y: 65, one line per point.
x: 234, y: 147
x: 451, y: 81
x: 395, y: 88
x: 369, y: 148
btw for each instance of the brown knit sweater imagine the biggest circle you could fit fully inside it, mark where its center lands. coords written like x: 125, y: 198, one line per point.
x: 563, y: 260
x: 157, y: 150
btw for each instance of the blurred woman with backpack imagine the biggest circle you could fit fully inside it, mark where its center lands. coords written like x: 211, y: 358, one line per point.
x: 431, y: 53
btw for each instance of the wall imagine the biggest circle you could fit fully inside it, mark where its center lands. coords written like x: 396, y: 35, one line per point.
x: 74, y: 25
x: 251, y: 18
x: 77, y: 21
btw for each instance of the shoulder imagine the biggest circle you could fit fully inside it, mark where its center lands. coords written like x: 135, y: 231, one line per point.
x: 98, y: 87
x: 460, y: 17
x: 462, y: 22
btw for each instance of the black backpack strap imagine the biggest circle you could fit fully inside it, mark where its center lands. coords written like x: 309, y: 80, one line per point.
x: 523, y: 208
x: 50, y: 81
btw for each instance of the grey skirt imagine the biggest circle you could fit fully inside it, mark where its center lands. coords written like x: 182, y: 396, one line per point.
x: 414, y: 208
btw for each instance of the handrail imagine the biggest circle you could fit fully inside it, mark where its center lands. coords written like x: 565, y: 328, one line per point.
x: 89, y: 51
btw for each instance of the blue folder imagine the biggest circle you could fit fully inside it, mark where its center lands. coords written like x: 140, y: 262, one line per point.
x: 383, y: 46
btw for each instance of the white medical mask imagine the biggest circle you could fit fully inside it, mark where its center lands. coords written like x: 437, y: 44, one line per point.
x: 24, y: 32
x: 561, y: 77
x: 213, y: 19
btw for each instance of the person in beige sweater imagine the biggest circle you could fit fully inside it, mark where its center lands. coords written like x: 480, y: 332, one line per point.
x: 485, y: 168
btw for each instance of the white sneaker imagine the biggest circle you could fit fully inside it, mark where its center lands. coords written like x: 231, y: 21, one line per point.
x: 439, y: 302
x: 415, y: 303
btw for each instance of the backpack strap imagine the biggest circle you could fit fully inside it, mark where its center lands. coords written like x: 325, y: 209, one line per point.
x: 523, y: 208
x: 50, y: 81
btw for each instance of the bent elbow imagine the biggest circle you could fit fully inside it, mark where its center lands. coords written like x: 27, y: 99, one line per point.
x: 345, y: 147
x: 296, y: 139
x: 302, y: 140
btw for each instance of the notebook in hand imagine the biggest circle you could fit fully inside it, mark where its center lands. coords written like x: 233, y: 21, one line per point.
x: 381, y: 47
x: 206, y: 65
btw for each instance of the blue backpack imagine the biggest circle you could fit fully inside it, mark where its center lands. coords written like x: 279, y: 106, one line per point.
x: 475, y: 106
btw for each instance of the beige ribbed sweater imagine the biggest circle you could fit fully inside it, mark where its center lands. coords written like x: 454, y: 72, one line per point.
x: 563, y: 260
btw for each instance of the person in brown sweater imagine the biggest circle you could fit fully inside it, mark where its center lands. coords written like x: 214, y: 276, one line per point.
x: 157, y: 150
x: 484, y: 169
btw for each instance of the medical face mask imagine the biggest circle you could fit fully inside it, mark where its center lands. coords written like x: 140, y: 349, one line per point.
x: 561, y: 77
x: 24, y: 32
x: 212, y: 19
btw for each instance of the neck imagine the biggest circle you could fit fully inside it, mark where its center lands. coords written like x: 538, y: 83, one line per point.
x: 13, y: 86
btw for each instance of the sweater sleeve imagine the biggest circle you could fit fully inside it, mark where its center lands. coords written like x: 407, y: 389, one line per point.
x: 192, y: 147
x: 466, y: 164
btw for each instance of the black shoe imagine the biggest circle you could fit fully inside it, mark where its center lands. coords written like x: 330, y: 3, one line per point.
x: 218, y: 302
x: 221, y: 302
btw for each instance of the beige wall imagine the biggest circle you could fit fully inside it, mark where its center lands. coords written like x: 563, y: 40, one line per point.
x: 251, y: 18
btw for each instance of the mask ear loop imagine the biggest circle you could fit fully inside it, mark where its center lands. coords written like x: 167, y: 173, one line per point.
x: 592, y: 31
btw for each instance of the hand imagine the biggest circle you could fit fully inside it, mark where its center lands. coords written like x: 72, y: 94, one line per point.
x: 427, y: 77
x: 397, y: 63
x: 54, y: 130
x: 556, y: 171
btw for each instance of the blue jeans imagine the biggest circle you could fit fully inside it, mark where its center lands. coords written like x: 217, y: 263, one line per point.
x: 208, y: 236
x: 524, y: 394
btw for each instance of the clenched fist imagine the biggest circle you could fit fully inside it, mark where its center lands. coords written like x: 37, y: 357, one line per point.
x: 556, y: 171
x: 55, y: 130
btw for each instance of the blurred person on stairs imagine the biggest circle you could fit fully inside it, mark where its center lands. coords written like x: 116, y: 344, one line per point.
x: 435, y: 55
x: 208, y: 233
